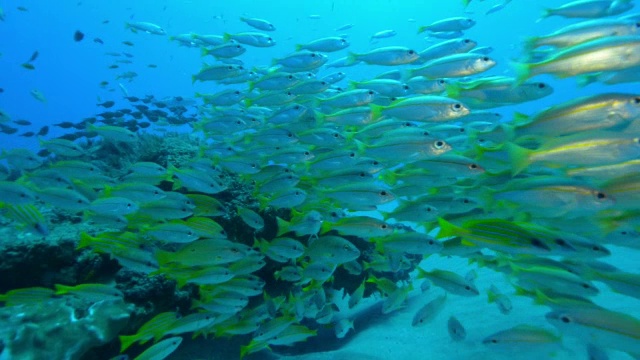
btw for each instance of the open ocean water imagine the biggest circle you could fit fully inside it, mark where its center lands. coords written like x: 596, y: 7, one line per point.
x: 320, y: 179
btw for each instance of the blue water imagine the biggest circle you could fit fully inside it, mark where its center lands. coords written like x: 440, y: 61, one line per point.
x: 68, y: 73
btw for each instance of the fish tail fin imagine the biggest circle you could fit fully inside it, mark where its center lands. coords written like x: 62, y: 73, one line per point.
x: 248, y: 102
x: 252, y: 85
x: 453, y: 90
x: 531, y: 43
x: 85, y: 240
x: 422, y: 29
x: 283, y: 226
x: 519, y: 157
x: 193, y: 79
x: 62, y: 289
x: 299, y: 47
x: 204, y: 52
x: 126, y: 341
x: 226, y: 37
x: 389, y: 177
x: 447, y: 229
x: 520, y: 119
x: 352, y: 58
x: 326, y: 227
x: 376, y: 111
x: 545, y: 14
x: 523, y: 72
x: 585, y: 80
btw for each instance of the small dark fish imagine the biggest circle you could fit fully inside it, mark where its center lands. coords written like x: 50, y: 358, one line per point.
x: 144, y: 124
x: 64, y: 124
x: 129, y: 55
x: 137, y: 115
x: 105, y: 21
x: 98, y: 40
x: 43, y: 131
x: 128, y: 43
x: 456, y: 330
x: 43, y: 153
x: 153, y: 66
x: 114, y: 66
x: 78, y: 35
x: 160, y: 105
x: 28, y: 134
x: 142, y: 107
x: 28, y: 66
x: 22, y: 122
x: 126, y: 111
x: 104, y: 83
x: 22, y: 8
x: 34, y: 56
x: 8, y: 129
x: 132, y: 98
x: 1, y: 90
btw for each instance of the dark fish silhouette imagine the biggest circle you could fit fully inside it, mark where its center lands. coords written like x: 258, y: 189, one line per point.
x: 78, y: 35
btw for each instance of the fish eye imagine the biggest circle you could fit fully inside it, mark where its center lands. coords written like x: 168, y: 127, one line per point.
x: 560, y: 242
x: 457, y: 106
x: 638, y: 24
x: 473, y: 166
x: 541, y: 85
x: 79, y: 201
x: 128, y: 205
x: 307, y: 153
x: 441, y: 81
x: 362, y: 174
x: 466, y: 201
x: 467, y: 287
x: 596, y: 248
x: 352, y: 155
x: 238, y: 47
x: 383, y: 193
x: 297, y: 107
x: 601, y: 195
x: 269, y: 39
x: 313, y: 55
x: 237, y: 92
x: 336, y: 135
x: 371, y: 92
x: 486, y: 58
x: 586, y: 286
x: 466, y: 41
x: 230, y: 67
x: 494, y: 341
x: 623, y: 233
x: 439, y: 144
x: 411, y: 52
x: 290, y: 77
x: 406, y: 87
x: 431, y: 243
x: 383, y: 226
x: 428, y: 209
x: 636, y: 100
x: 426, y: 133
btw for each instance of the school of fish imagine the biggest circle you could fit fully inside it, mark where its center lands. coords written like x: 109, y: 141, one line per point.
x: 363, y: 180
